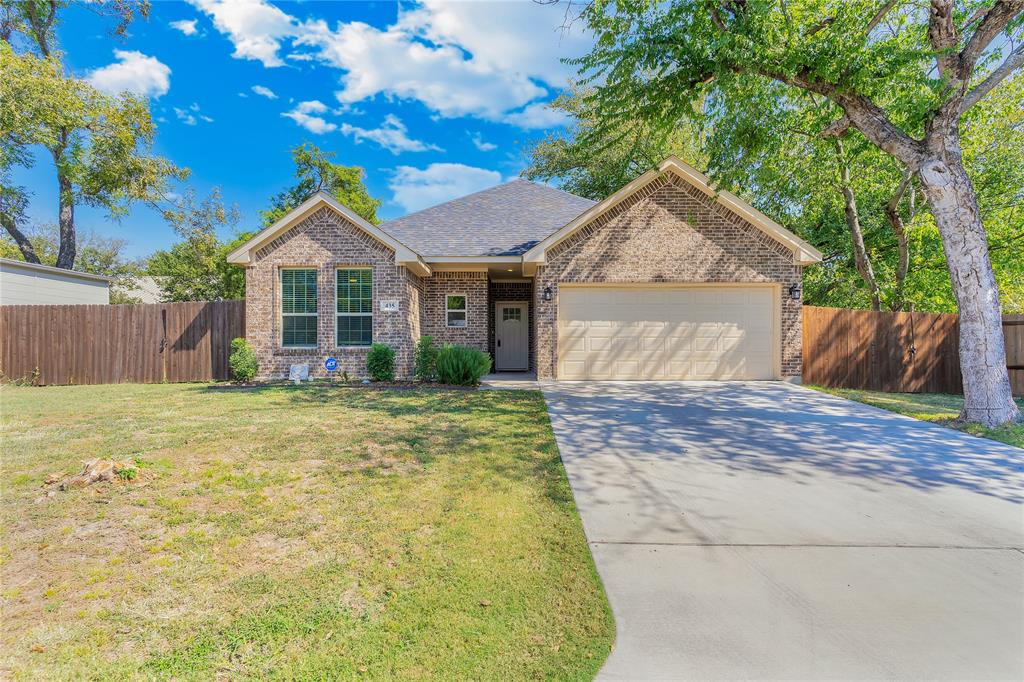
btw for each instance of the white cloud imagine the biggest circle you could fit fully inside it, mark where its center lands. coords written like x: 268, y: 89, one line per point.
x: 133, y: 72
x: 306, y: 115
x: 264, y: 92
x: 416, y: 188
x: 186, y: 26
x: 391, y: 63
x: 391, y: 135
x: 482, y: 59
x: 518, y: 35
x: 242, y: 94
x: 255, y: 27
x: 191, y: 115
x: 185, y: 117
x: 478, y: 142
x: 537, y: 115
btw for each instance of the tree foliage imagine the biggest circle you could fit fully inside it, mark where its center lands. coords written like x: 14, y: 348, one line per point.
x: 196, y: 268
x: 316, y: 172
x: 900, y: 75
x: 100, y: 145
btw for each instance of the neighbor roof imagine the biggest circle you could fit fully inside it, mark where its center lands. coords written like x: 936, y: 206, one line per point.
x: 506, y: 220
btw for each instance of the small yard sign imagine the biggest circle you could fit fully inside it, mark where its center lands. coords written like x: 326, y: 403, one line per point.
x: 389, y: 306
x: 298, y: 373
x: 331, y: 364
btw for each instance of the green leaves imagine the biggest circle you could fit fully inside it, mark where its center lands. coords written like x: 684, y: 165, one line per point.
x: 316, y: 172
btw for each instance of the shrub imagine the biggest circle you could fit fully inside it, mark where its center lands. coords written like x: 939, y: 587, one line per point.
x: 380, y: 363
x: 426, y: 359
x: 462, y: 366
x: 243, y: 360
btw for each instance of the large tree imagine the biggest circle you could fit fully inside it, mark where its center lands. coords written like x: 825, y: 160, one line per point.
x: 900, y: 75
x: 316, y: 171
x: 196, y: 268
x: 99, y: 144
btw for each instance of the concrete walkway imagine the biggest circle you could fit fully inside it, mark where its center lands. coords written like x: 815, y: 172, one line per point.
x: 760, y: 530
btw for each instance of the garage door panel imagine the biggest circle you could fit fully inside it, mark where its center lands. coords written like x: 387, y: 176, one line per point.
x: 666, y: 333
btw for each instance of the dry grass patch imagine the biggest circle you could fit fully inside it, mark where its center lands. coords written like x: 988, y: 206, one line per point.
x: 293, y: 532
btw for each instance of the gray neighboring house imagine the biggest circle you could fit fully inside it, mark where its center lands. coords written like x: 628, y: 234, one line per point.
x: 24, y: 283
x: 665, y: 279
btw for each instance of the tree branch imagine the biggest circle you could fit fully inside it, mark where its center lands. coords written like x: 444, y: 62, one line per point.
x: 879, y: 15
x: 994, y: 23
x: 944, y: 39
x: 1013, y: 61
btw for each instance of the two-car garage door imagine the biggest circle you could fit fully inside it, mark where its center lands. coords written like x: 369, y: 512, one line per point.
x: 667, y: 332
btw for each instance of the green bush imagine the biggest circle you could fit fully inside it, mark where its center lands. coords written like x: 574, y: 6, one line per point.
x: 380, y: 363
x: 426, y: 359
x: 462, y: 366
x: 243, y: 360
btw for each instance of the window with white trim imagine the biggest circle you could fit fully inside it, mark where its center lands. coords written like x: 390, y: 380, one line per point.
x: 354, y: 301
x: 298, y: 307
x: 455, y: 310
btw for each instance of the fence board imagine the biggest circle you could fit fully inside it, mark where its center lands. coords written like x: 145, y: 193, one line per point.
x: 872, y: 350
x: 100, y: 344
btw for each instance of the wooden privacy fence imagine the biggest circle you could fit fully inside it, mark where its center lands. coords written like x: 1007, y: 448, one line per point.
x: 109, y: 344
x: 869, y: 350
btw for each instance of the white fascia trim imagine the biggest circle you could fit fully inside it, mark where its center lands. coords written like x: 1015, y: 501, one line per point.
x: 483, y: 260
x: 243, y: 255
x: 6, y: 263
x: 803, y: 253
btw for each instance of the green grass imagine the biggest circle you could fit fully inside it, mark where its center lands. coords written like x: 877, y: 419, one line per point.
x: 293, y: 532
x: 941, y: 408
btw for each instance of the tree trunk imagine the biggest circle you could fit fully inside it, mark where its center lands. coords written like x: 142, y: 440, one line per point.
x: 860, y: 252
x: 24, y: 245
x: 951, y: 197
x: 892, y: 214
x: 65, y: 218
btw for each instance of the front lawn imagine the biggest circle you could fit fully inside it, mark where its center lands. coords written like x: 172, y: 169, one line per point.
x: 940, y: 408
x: 294, y: 532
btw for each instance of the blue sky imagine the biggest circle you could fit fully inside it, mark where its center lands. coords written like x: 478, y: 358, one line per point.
x: 434, y: 99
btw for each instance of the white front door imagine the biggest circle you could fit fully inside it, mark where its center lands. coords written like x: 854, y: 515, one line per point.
x: 511, y: 336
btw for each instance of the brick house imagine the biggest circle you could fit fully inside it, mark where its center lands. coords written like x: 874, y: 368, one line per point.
x: 665, y: 279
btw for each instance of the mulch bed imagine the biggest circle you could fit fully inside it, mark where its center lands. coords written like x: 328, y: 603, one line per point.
x: 373, y: 385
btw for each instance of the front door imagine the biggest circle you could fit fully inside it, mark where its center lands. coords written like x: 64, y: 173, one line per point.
x: 511, y: 337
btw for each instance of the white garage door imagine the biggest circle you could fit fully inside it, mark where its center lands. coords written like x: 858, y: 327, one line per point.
x: 666, y: 332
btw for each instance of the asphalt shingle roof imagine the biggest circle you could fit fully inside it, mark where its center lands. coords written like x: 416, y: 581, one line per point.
x: 501, y: 221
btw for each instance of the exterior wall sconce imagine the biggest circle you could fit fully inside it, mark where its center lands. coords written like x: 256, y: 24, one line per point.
x: 548, y: 294
x: 794, y: 292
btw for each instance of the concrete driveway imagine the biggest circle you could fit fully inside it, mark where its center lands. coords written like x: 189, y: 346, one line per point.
x: 761, y: 530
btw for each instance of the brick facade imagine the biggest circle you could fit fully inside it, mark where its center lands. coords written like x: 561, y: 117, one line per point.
x: 326, y: 241
x: 472, y: 285
x: 668, y: 231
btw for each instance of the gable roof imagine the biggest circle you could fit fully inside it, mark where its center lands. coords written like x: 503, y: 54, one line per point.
x: 244, y: 254
x: 803, y: 253
x: 506, y: 220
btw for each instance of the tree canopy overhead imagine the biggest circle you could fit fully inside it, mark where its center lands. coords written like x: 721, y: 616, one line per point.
x: 899, y: 74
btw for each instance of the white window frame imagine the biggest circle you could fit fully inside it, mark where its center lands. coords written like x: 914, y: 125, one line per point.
x: 464, y: 310
x: 283, y: 314
x: 337, y: 271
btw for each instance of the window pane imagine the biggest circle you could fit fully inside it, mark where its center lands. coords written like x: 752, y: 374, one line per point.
x: 456, y: 303
x: 355, y: 330
x: 456, y: 319
x: 299, y: 330
x: 355, y: 291
x: 298, y: 291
